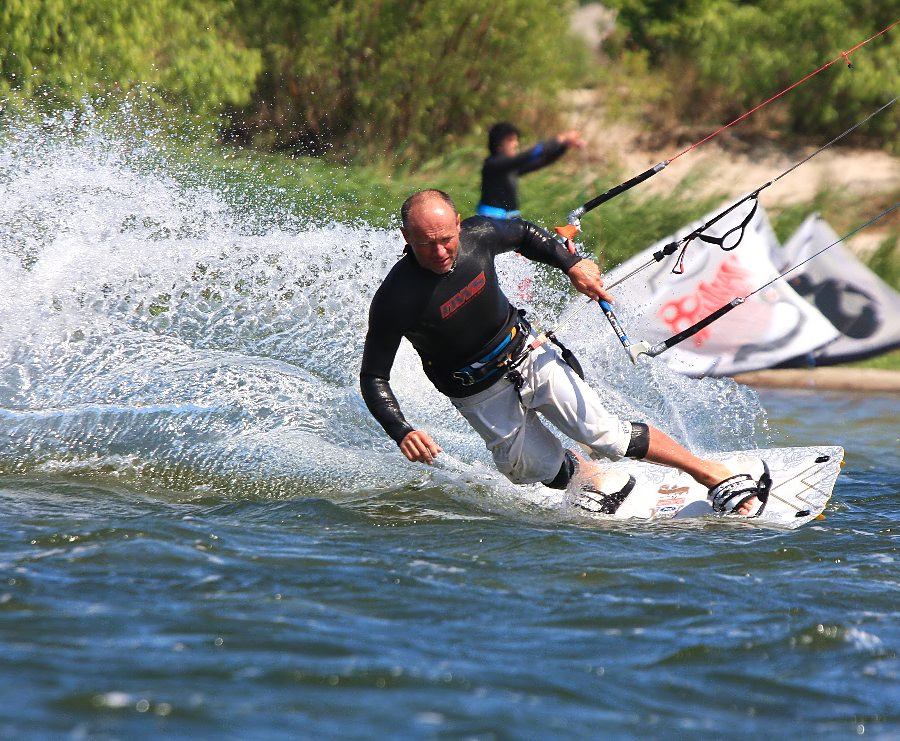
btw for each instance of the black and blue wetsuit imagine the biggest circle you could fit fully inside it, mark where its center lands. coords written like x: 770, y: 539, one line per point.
x: 500, y: 177
x: 452, y: 320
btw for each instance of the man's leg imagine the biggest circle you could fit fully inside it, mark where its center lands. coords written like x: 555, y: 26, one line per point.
x: 664, y: 451
x: 574, y: 408
x: 524, y: 450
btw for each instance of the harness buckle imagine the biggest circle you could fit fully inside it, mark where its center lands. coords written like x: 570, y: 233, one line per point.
x: 508, y: 354
x: 464, y: 377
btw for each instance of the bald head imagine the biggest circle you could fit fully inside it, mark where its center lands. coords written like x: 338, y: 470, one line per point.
x: 424, y: 199
x: 431, y: 228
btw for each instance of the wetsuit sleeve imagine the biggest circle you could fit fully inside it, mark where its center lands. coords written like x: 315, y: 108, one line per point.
x: 379, y: 352
x: 540, y: 155
x: 537, y: 244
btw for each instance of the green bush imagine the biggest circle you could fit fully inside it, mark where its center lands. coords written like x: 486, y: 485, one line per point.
x: 57, y: 52
x: 724, y: 57
x: 401, y: 77
x: 885, y: 261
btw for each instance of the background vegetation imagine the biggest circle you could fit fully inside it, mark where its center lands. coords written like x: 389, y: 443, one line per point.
x: 399, y: 78
x: 412, y: 79
x: 722, y: 57
x: 190, y: 56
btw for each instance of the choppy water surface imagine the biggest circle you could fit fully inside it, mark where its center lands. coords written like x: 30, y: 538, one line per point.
x: 204, y: 534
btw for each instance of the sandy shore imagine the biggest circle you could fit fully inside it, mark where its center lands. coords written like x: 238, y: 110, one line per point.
x: 831, y: 378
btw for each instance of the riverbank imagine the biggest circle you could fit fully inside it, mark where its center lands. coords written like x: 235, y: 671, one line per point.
x: 835, y: 378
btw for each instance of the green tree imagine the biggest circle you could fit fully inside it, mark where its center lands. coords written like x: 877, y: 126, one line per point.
x: 725, y: 56
x: 58, y: 51
x: 401, y: 76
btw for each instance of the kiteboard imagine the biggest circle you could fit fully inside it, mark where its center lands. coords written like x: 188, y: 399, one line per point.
x: 802, y: 482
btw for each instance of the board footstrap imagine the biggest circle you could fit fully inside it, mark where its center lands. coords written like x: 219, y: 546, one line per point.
x: 604, y: 496
x: 728, y: 496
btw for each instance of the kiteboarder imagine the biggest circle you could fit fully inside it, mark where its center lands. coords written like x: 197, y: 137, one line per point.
x: 505, y: 163
x: 443, y: 295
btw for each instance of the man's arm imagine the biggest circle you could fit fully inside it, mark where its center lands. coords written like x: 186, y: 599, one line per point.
x: 379, y: 352
x: 539, y: 245
x: 586, y: 279
x: 416, y: 445
x: 540, y: 155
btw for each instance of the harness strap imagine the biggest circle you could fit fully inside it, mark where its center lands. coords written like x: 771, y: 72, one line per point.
x: 503, y: 357
x: 567, y: 355
x: 511, y: 353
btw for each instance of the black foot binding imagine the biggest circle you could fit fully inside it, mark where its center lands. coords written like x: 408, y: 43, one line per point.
x: 604, y: 492
x: 728, y: 496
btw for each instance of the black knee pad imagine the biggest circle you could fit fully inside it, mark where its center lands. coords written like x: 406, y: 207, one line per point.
x: 640, y: 441
x: 566, y: 471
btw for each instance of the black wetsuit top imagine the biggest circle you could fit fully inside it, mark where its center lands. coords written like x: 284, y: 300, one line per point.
x: 451, y: 319
x: 500, y: 174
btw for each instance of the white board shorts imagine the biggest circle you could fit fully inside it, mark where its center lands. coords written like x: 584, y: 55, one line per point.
x: 524, y: 449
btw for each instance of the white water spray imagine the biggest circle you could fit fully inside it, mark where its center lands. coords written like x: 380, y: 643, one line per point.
x: 148, y: 334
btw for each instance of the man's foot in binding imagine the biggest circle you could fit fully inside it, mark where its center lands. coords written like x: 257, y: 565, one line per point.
x: 743, y: 494
x: 599, y: 490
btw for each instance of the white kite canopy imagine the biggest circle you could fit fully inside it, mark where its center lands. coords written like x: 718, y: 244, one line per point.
x: 772, y: 326
x: 863, y: 308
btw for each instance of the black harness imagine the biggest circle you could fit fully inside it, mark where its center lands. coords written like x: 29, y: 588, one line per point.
x: 506, y: 355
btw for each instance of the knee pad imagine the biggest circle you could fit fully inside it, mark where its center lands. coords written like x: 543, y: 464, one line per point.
x: 640, y: 441
x: 566, y: 471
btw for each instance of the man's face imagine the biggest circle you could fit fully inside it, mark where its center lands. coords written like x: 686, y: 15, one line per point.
x: 432, y: 232
x: 509, y: 147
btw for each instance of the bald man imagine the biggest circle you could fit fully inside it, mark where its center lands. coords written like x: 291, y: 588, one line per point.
x: 443, y: 295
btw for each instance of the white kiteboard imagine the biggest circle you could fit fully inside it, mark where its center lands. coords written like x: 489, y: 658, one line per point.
x: 802, y: 482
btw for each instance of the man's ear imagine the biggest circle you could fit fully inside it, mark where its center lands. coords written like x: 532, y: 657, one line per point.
x: 405, y: 237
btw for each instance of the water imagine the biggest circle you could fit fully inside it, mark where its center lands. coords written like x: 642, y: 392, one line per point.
x: 204, y: 534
